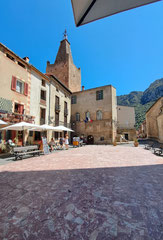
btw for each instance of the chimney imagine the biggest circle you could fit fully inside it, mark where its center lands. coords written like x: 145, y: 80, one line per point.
x: 82, y: 88
x: 26, y: 59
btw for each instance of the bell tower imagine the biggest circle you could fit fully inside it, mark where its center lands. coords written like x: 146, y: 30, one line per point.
x: 64, y: 68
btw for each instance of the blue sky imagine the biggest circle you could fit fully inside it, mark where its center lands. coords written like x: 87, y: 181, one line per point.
x: 125, y: 50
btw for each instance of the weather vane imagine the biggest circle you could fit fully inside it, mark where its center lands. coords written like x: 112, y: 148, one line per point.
x: 65, y: 34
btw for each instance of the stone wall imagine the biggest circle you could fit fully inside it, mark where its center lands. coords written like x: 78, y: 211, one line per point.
x: 126, y: 122
x: 74, y: 77
x: 154, y: 120
x: 60, y: 70
x: 64, y: 68
x: 122, y: 131
x: 160, y: 127
x: 103, y: 130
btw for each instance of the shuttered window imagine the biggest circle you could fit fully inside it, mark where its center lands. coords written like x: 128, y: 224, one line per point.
x: 25, y: 89
x: 19, y: 86
x: 13, y: 83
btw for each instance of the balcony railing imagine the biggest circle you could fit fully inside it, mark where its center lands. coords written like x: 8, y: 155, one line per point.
x: 57, y: 108
x: 42, y: 121
x: 66, y: 111
x: 60, y: 123
x: 43, y: 101
x: 16, y: 117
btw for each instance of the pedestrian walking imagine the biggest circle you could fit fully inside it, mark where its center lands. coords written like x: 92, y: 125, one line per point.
x: 66, y: 141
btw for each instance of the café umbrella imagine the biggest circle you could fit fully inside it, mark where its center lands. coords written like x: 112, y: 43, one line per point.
x: 21, y: 126
x: 2, y: 122
x: 45, y: 127
x: 86, y: 11
x: 63, y: 128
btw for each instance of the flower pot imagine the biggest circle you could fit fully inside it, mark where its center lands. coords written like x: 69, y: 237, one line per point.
x: 136, y: 144
x: 114, y: 143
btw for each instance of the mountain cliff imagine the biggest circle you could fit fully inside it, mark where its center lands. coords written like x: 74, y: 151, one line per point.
x: 142, y: 101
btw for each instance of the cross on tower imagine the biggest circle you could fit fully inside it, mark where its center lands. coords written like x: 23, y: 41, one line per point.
x: 65, y: 34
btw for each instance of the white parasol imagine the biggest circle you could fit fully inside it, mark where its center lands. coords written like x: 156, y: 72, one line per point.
x: 44, y: 127
x: 21, y: 126
x: 2, y: 122
x: 62, y: 128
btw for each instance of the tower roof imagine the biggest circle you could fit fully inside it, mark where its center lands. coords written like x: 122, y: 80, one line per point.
x: 64, y: 52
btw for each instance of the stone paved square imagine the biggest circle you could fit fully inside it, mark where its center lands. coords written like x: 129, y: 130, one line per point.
x: 88, y: 193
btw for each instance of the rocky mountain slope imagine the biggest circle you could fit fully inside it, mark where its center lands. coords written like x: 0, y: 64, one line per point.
x: 142, y: 101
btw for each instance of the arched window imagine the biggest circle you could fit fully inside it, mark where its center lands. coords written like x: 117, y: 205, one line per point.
x: 78, y: 117
x: 99, y: 115
x: 87, y: 115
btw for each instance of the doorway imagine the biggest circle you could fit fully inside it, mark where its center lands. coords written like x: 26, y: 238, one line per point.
x: 126, y: 136
x: 90, y: 139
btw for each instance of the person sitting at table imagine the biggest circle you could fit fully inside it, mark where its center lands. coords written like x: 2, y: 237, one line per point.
x: 51, y: 144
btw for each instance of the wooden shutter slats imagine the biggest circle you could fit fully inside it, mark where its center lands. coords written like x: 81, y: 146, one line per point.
x: 26, y: 89
x: 13, y: 83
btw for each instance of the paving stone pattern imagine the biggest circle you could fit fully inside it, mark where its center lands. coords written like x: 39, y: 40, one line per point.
x: 93, y: 192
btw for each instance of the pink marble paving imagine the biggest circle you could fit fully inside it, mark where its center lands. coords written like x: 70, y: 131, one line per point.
x: 93, y: 192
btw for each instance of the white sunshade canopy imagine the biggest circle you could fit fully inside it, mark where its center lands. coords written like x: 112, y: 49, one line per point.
x: 2, y: 122
x: 62, y: 128
x: 86, y: 11
x: 44, y: 127
x: 21, y: 126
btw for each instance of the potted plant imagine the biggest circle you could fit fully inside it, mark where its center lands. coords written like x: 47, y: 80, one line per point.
x: 115, y: 143
x: 136, y: 143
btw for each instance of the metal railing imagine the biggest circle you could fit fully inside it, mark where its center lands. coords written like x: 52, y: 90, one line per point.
x: 60, y: 123
x: 66, y: 111
x: 16, y: 117
x: 57, y: 108
x: 42, y: 101
x: 42, y: 121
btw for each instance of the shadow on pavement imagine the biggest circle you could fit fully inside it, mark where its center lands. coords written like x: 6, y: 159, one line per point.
x: 121, y: 203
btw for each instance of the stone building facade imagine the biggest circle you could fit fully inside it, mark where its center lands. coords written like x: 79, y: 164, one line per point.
x: 60, y: 105
x: 26, y: 94
x: 142, y: 131
x: 126, y: 122
x: 94, y: 114
x: 55, y: 98
x: 15, y: 77
x: 154, y: 121
x: 103, y: 130
x: 64, y: 68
